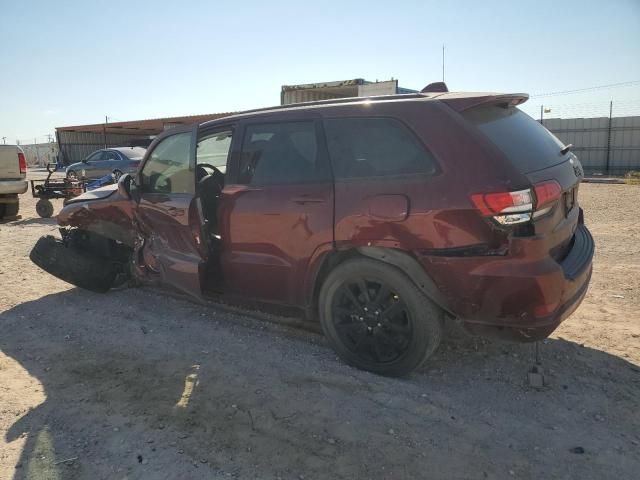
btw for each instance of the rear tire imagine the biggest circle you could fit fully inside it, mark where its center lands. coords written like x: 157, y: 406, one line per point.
x: 376, y: 319
x: 116, y: 175
x: 74, y: 266
x: 12, y: 209
x: 44, y: 208
x: 72, y: 173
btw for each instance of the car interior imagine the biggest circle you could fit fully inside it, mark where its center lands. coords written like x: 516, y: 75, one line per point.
x: 211, y: 160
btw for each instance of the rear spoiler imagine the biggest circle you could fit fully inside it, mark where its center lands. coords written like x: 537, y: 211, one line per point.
x: 460, y: 102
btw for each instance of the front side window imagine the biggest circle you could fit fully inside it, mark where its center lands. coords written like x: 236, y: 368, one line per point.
x: 287, y: 152
x: 373, y: 147
x: 95, y: 156
x: 213, y: 150
x: 167, y: 169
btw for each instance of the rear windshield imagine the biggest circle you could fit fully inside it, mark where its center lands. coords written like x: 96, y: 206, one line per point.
x: 524, y: 141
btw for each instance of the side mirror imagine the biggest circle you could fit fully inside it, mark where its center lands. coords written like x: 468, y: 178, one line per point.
x: 127, y: 187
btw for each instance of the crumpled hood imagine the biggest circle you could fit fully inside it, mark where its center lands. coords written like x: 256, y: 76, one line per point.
x: 103, y: 211
x: 97, y: 194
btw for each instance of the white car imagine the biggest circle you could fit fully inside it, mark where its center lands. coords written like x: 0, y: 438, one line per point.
x: 13, y: 179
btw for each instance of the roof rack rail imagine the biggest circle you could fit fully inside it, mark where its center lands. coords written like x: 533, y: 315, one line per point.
x: 335, y: 100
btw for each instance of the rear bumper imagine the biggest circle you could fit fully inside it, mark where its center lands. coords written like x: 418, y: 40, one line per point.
x: 8, y: 187
x: 523, y: 296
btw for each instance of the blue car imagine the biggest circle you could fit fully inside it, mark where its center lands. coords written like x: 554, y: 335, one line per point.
x: 103, y: 162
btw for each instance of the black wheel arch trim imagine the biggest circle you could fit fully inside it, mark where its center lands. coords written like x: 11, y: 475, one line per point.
x: 411, y: 267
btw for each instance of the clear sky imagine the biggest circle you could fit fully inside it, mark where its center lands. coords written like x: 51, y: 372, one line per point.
x: 73, y: 62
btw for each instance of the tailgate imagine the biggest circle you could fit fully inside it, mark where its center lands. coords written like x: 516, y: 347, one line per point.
x: 559, y: 224
x: 544, y: 160
x: 9, y: 164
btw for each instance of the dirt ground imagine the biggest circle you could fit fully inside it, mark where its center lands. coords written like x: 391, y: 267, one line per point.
x: 138, y: 385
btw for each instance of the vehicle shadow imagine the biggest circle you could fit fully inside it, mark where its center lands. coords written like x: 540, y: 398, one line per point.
x: 138, y: 385
x: 34, y: 221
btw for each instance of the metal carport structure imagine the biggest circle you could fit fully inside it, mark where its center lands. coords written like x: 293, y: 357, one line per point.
x: 77, y: 142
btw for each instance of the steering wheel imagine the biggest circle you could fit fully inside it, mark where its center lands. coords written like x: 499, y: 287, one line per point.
x: 201, y: 171
x: 208, y: 165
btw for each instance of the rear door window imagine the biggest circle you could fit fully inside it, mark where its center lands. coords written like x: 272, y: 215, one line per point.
x: 526, y: 143
x: 281, y: 153
x: 372, y: 147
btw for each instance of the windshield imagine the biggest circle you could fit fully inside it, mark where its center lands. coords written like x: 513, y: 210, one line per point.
x: 523, y: 140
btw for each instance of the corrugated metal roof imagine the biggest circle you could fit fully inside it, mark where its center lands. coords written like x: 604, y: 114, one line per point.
x: 339, y: 83
x: 149, y: 127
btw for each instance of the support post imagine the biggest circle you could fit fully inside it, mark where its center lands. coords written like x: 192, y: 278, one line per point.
x: 541, y: 114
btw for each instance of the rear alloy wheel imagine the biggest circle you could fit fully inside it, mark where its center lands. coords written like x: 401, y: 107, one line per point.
x: 116, y: 175
x: 72, y: 174
x: 376, y: 318
x: 44, y: 208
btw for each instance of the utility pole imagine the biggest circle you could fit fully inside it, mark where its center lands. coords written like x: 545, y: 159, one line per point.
x: 4, y: 140
x: 104, y: 130
x: 35, y: 147
x: 49, y: 137
x: 609, y: 136
x: 443, y: 62
x: 541, y: 114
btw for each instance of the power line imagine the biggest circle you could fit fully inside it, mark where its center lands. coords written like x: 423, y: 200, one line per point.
x: 611, y: 85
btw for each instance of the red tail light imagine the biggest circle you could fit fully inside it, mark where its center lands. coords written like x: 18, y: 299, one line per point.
x: 506, y: 208
x: 547, y: 192
x: 502, y: 202
x: 509, y: 208
x: 23, y: 162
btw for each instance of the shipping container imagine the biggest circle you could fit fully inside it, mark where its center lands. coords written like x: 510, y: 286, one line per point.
x: 358, y: 87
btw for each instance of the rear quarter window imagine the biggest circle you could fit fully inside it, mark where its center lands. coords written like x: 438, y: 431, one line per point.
x: 373, y: 147
x: 527, y: 144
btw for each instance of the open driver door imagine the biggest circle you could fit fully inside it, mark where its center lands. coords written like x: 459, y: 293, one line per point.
x: 168, y: 213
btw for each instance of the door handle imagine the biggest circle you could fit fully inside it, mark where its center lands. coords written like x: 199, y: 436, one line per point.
x: 304, y: 199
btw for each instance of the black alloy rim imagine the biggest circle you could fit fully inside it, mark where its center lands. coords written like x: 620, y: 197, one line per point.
x: 372, y: 320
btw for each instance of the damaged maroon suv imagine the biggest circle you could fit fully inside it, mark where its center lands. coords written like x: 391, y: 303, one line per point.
x: 380, y: 217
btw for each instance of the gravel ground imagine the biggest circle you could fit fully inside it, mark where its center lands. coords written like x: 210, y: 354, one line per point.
x: 137, y: 384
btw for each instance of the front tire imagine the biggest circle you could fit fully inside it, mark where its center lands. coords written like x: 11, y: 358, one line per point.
x: 75, y: 266
x: 376, y: 319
